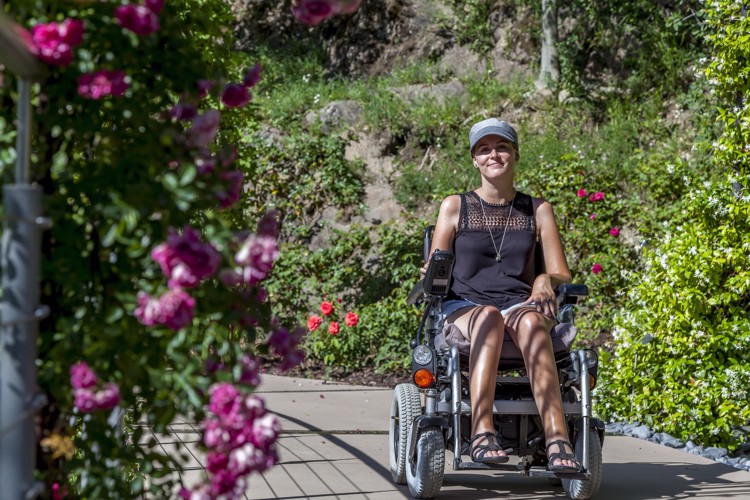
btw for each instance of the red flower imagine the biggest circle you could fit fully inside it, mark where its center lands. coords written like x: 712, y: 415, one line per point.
x: 596, y: 268
x: 333, y: 328
x: 581, y: 193
x: 313, y: 322
x: 326, y: 308
x: 592, y: 216
x: 615, y: 231
x: 351, y: 319
x: 598, y: 196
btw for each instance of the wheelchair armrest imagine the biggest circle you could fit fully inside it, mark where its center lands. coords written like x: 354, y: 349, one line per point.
x: 417, y: 294
x: 569, y: 293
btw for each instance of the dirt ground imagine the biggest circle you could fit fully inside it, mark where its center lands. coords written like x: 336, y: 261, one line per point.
x: 366, y: 376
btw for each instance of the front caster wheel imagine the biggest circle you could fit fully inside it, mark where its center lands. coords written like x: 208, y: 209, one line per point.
x: 405, y: 406
x: 424, y: 474
x: 579, y: 489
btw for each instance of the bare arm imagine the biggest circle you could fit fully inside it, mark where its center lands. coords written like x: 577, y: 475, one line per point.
x: 556, y: 267
x: 445, y: 227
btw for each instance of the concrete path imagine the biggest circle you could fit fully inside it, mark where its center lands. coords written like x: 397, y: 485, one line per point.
x: 335, y: 445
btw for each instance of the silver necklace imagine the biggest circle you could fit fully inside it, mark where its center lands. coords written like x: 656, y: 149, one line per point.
x: 505, y: 230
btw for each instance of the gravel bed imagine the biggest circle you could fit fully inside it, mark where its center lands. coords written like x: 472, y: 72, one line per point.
x: 739, y: 459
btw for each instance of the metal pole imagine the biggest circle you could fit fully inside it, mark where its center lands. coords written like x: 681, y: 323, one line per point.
x: 20, y: 255
x: 19, y: 316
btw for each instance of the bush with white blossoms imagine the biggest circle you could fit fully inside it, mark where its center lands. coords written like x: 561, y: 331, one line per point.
x: 683, y: 340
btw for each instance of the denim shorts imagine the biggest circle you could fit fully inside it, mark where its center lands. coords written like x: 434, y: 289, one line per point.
x: 453, y: 305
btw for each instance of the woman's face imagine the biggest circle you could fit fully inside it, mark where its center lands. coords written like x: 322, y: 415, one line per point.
x: 494, y: 156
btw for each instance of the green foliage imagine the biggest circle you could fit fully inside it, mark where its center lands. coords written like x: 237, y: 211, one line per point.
x: 117, y: 174
x: 372, y: 274
x: 643, y: 44
x: 682, y: 355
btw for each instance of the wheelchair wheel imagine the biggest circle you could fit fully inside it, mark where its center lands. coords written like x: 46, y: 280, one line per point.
x: 425, y: 474
x: 405, y: 406
x: 578, y: 489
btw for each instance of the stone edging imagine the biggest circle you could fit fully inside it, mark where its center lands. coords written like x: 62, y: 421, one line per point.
x: 740, y: 459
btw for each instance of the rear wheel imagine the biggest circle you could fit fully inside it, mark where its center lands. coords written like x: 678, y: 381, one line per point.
x: 405, y: 406
x: 579, y: 489
x: 425, y: 475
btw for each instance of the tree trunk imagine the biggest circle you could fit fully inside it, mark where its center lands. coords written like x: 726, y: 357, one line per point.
x: 549, y: 73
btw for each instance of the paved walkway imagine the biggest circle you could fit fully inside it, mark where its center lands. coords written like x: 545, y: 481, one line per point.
x: 335, y: 445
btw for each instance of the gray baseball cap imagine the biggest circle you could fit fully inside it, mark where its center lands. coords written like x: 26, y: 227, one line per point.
x: 491, y: 126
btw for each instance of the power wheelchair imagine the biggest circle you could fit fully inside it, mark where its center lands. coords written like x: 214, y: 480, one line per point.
x: 432, y: 412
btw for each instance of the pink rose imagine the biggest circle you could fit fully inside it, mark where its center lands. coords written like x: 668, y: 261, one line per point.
x: 84, y: 400
x: 204, y: 129
x: 233, y: 184
x: 235, y: 95
x: 137, y: 18
x: 54, y: 41
x: 177, y: 309
x: 108, y: 397
x: 326, y: 308
x: 81, y: 376
x: 313, y: 12
x: 102, y: 83
x: 351, y: 319
x: 598, y: 196
x: 592, y: 216
x: 183, y: 111
x: 334, y: 328
x: 154, y: 6
x: 581, y: 193
x: 615, y: 231
x: 148, y: 311
x: 257, y: 254
x: 252, y: 76
x: 204, y: 87
x: 185, y: 259
x: 596, y: 268
x: 313, y: 322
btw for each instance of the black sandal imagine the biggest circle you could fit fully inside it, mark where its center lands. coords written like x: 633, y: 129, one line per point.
x: 562, y: 455
x: 478, y: 452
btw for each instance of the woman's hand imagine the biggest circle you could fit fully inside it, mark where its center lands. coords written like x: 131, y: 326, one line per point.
x: 543, y: 296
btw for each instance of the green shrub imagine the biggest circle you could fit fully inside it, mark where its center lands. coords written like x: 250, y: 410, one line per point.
x: 681, y: 360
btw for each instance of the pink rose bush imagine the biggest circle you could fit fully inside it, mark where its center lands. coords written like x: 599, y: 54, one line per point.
x: 240, y: 436
x: 87, y: 394
x: 102, y: 83
x: 55, y: 41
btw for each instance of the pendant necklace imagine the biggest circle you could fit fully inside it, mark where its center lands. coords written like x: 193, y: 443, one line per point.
x: 498, y: 258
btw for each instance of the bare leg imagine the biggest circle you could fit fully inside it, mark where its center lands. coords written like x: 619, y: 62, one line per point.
x: 531, y: 333
x: 486, y: 329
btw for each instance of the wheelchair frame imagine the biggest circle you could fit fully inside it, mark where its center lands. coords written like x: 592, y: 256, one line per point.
x: 447, y: 408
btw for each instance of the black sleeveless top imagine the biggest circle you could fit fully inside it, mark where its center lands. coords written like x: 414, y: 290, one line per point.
x: 477, y: 275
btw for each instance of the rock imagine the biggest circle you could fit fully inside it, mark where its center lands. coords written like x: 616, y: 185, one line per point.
x: 714, y: 453
x: 461, y: 62
x: 672, y: 441
x: 440, y: 92
x: 641, y: 432
x: 335, y: 115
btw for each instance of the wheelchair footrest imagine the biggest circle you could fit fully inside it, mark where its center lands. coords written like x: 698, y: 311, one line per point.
x: 543, y: 472
x: 480, y: 466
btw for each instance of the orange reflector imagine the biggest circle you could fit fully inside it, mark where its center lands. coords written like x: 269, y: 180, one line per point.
x: 424, y: 378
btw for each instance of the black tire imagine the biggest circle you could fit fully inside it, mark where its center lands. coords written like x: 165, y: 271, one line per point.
x: 405, y: 406
x: 579, y: 489
x: 425, y: 475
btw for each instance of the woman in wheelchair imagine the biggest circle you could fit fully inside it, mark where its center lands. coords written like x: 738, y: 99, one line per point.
x: 495, y: 232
